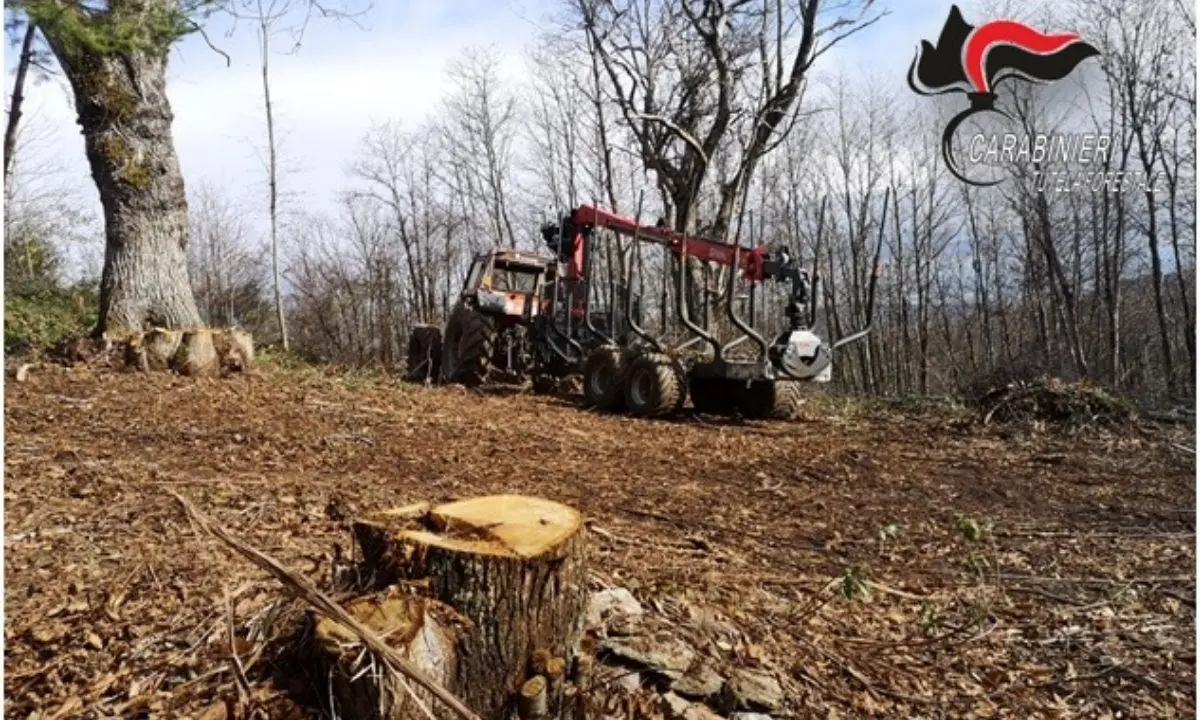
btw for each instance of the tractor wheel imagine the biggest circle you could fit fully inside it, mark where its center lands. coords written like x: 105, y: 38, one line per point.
x: 424, y: 354
x: 602, y: 375
x: 767, y: 400
x: 713, y: 396
x: 654, y: 386
x: 467, y: 348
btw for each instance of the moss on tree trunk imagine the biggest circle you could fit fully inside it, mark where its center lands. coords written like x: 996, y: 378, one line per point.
x: 125, y: 116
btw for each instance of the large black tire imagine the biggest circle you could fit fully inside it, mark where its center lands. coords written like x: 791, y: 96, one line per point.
x: 603, y: 372
x: 467, y: 348
x: 713, y: 396
x: 767, y: 400
x: 424, y: 359
x: 654, y: 386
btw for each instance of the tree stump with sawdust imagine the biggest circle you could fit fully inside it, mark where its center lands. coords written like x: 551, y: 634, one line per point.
x: 160, y: 347
x: 198, y: 352
x: 196, y: 356
x: 513, y: 566
x: 235, y: 349
x: 359, y: 684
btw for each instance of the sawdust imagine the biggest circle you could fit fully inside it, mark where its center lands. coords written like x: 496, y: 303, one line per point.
x: 893, y: 565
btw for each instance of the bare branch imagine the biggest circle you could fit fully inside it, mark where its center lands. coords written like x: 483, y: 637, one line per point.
x: 679, y: 131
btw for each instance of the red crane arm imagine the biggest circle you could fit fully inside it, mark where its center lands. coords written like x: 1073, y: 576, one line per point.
x: 750, y: 260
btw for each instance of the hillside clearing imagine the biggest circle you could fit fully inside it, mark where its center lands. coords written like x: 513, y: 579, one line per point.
x: 890, y: 565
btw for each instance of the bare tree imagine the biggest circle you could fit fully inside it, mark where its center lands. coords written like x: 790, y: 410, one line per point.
x: 24, y: 60
x: 226, y: 268
x: 702, y: 84
x: 480, y: 127
x: 271, y: 19
x: 115, y: 56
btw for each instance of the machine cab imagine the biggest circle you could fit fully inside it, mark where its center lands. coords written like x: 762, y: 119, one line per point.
x: 506, y: 282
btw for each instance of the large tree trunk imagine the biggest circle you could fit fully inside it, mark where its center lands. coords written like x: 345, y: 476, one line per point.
x: 125, y: 117
x: 511, y: 565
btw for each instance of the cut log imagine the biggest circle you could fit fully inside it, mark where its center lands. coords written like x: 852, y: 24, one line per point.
x: 235, y: 349
x: 532, y: 702
x: 511, y: 565
x: 196, y: 356
x: 159, y: 346
x: 361, y: 686
x: 197, y: 352
x: 135, y: 353
x: 22, y: 372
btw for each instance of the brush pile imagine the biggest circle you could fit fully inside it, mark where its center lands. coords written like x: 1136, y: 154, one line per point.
x: 1049, y: 400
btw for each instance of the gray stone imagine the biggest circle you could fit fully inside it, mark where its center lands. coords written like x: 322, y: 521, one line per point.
x: 624, y: 625
x: 674, y: 706
x: 700, y: 711
x: 627, y: 680
x: 700, y: 682
x: 755, y: 690
x: 749, y: 716
x: 613, y: 600
x: 670, y: 655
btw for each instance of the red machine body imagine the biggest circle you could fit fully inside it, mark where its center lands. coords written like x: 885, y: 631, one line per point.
x: 586, y: 217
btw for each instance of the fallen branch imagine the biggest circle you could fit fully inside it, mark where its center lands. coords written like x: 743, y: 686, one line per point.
x: 1095, y: 535
x: 321, y: 602
x: 1099, y: 581
x: 897, y: 593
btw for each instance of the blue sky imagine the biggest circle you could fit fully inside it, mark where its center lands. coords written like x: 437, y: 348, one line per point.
x: 343, y: 78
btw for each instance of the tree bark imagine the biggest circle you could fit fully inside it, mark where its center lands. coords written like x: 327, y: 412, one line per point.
x: 161, y: 345
x: 125, y: 116
x: 360, y: 685
x: 513, y: 566
x: 18, y: 99
x: 196, y: 355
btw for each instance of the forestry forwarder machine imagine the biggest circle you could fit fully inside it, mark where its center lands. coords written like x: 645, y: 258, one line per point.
x: 520, y: 326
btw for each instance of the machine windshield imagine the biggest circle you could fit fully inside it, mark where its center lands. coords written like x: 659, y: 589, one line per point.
x: 514, y: 279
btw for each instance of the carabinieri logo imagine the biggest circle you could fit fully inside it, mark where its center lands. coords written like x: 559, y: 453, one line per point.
x: 974, y: 60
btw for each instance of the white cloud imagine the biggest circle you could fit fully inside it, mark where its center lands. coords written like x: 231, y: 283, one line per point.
x: 325, y: 96
x: 343, y: 79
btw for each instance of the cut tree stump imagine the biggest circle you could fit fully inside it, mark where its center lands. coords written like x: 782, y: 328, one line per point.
x: 359, y: 683
x: 196, y: 356
x: 514, y: 567
x: 160, y: 346
x: 199, y: 352
x: 235, y: 349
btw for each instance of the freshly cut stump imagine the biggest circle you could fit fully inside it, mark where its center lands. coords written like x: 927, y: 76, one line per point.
x: 196, y: 355
x: 160, y: 346
x: 197, y: 351
x: 360, y: 685
x: 235, y: 349
x: 511, y: 565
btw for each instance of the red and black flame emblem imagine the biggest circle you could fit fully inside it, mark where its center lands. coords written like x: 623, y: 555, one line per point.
x: 975, y: 59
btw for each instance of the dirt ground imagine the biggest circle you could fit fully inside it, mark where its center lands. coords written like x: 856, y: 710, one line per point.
x: 899, y: 565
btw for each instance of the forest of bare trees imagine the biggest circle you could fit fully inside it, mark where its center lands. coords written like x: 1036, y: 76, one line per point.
x: 728, y: 116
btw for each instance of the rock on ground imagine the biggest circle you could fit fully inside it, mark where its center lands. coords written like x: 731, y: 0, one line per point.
x: 700, y: 682
x: 611, y: 601
x: 754, y: 690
